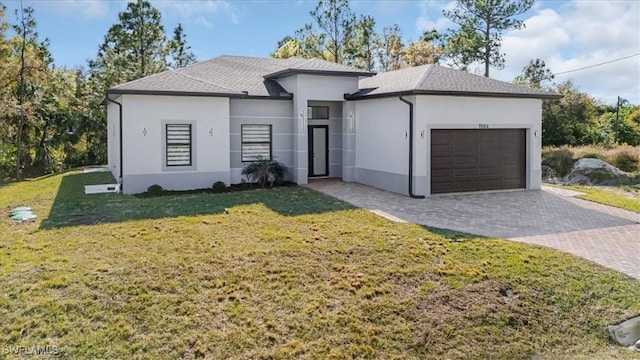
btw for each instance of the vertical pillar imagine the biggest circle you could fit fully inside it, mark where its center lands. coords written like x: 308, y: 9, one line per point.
x: 349, y: 141
x: 300, y: 141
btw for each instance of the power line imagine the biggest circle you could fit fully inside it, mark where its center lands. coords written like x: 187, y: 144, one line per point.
x: 602, y: 63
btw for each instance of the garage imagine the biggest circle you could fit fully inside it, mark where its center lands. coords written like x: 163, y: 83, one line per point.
x: 477, y: 159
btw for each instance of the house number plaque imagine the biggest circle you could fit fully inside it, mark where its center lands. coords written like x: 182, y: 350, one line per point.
x: 483, y: 126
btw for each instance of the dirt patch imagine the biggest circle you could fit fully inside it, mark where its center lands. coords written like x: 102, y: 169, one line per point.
x: 440, y: 314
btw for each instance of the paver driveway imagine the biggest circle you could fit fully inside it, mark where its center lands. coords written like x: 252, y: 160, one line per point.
x: 606, y: 235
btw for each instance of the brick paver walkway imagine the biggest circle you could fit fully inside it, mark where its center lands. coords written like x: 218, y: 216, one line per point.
x: 606, y: 235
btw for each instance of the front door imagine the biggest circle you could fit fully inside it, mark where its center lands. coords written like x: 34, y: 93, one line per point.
x: 318, y: 150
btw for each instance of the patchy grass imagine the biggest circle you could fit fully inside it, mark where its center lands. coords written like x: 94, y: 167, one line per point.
x: 285, y: 273
x: 624, y: 196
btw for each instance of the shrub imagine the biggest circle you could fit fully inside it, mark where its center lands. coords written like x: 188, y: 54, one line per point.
x: 626, y: 162
x: 263, y: 171
x: 560, y: 160
x: 155, y: 190
x: 219, y: 187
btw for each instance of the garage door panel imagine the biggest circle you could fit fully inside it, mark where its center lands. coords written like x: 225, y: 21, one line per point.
x: 441, y: 148
x: 490, y: 171
x: 491, y: 184
x: 436, y: 173
x: 464, y: 160
x: 482, y: 159
x: 441, y: 162
x: 465, y: 171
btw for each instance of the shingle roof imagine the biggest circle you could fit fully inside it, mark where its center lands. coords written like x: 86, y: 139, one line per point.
x: 234, y: 76
x: 435, y: 79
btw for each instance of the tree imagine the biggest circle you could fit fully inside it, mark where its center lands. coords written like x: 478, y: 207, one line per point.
x: 180, y: 52
x: 390, y: 48
x: 535, y: 75
x: 135, y: 47
x: 481, y: 25
x: 420, y: 53
x: 329, y: 39
x: 361, y: 50
x: 336, y: 21
x: 463, y: 47
x: 569, y: 120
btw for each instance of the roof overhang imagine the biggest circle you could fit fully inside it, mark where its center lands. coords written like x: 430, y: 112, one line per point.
x: 289, y: 96
x: 289, y: 72
x: 453, y: 93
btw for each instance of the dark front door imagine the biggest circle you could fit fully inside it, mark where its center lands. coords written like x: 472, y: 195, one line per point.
x: 482, y: 159
x: 318, y: 150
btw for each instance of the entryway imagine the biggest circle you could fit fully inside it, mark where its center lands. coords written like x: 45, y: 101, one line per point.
x: 318, y: 150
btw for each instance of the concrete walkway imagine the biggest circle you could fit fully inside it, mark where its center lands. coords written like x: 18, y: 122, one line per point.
x: 551, y: 217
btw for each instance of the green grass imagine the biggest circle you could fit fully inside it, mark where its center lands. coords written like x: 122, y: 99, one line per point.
x: 624, y: 196
x: 284, y: 273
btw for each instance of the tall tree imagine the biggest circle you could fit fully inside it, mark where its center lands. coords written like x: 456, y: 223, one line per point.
x: 26, y: 31
x: 463, y: 47
x: 180, y: 51
x: 136, y: 46
x: 482, y: 22
x: 361, y: 50
x: 336, y: 21
x: 535, y: 75
x: 390, y: 48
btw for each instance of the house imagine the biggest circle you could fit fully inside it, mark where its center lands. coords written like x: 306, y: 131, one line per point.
x: 416, y: 131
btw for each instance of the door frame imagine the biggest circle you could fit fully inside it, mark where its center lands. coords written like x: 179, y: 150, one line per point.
x: 310, y: 149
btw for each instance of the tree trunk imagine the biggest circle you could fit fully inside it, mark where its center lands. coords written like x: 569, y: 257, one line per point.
x: 487, y: 49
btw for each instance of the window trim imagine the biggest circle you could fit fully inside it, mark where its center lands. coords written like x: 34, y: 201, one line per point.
x: 193, y: 148
x: 242, y: 142
x: 313, y: 117
x: 190, y: 143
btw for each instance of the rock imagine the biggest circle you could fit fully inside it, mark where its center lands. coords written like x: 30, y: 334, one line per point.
x: 590, y: 171
x: 626, y: 333
x: 548, y: 173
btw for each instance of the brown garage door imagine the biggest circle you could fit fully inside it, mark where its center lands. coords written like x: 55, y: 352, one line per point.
x: 483, y: 159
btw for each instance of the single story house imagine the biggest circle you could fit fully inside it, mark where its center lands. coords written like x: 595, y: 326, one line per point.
x: 416, y: 131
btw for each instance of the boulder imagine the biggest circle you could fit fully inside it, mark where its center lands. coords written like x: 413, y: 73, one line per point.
x: 590, y: 171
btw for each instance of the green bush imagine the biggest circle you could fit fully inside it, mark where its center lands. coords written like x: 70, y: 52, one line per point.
x: 155, y: 190
x: 626, y: 162
x: 219, y: 187
x: 263, y: 171
x: 560, y: 160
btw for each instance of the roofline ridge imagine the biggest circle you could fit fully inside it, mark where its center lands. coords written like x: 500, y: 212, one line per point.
x: 201, y: 80
x: 424, y: 76
x: 142, y: 78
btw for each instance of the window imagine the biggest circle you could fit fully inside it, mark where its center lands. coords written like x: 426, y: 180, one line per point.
x: 256, y: 142
x: 318, y: 112
x: 178, y: 144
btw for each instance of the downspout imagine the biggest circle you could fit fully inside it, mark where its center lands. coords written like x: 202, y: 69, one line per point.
x: 410, y: 148
x: 120, y: 131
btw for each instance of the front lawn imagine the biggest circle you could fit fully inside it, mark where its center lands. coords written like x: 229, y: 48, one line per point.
x: 285, y: 273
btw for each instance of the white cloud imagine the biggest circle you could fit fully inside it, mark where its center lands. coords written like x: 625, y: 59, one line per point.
x: 87, y: 9
x: 431, y: 16
x: 198, y: 12
x: 571, y: 35
x: 581, y: 34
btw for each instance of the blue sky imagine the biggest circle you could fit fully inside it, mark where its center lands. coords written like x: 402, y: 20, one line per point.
x: 566, y: 34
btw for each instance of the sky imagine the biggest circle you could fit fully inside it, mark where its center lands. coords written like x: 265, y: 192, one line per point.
x: 567, y: 35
